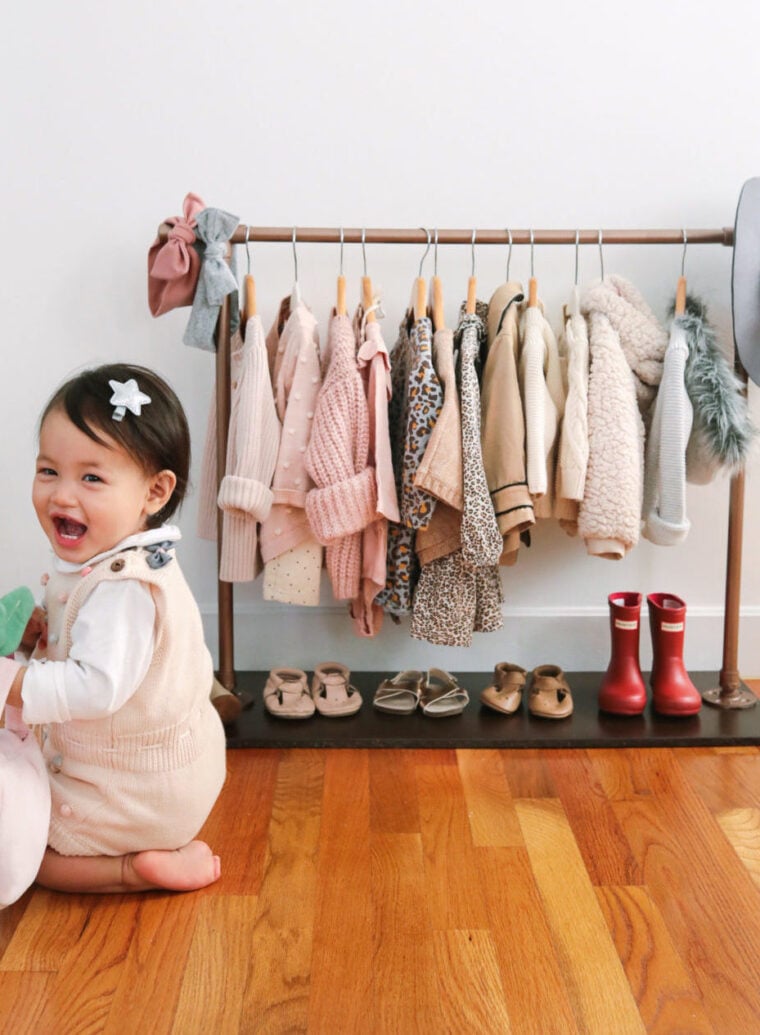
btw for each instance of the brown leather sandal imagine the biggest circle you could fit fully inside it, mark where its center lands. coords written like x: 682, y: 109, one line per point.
x: 442, y: 694
x: 550, y: 696
x: 400, y: 695
x: 505, y: 694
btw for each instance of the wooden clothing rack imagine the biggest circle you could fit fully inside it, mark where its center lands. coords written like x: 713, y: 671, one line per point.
x: 730, y: 693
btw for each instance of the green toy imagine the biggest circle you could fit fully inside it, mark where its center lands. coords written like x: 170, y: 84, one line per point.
x: 16, y: 609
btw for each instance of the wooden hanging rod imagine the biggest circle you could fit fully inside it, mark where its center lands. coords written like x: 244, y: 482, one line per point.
x: 415, y: 235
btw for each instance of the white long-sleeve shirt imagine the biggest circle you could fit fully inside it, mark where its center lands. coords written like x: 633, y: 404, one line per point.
x: 111, y: 648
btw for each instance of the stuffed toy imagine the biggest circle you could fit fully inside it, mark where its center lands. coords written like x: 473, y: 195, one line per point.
x: 16, y: 609
x: 24, y: 787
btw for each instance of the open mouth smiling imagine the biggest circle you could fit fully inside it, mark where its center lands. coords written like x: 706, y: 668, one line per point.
x: 68, y: 531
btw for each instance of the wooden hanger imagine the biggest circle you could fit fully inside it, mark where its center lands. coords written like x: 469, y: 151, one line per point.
x: 340, y: 306
x: 439, y: 320
x: 532, y: 283
x: 367, y: 299
x: 681, y: 286
x: 295, y: 294
x: 472, y: 283
x: 249, y: 284
x: 420, y: 290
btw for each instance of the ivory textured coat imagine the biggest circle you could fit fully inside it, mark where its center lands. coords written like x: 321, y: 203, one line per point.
x: 627, y: 346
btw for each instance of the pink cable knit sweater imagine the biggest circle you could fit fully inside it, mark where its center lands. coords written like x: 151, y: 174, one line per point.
x: 345, y: 498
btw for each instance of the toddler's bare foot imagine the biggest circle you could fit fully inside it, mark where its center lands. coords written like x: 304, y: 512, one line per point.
x: 185, y: 869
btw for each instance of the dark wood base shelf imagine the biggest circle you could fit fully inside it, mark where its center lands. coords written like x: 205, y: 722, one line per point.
x: 479, y: 727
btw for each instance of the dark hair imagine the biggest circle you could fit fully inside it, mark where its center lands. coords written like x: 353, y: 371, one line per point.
x: 158, y: 440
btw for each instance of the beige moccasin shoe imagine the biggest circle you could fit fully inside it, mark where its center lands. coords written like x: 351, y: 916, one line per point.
x: 287, y: 694
x: 549, y: 694
x: 505, y: 693
x: 332, y: 691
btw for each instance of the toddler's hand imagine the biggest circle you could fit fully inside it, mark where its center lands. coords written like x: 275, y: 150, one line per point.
x: 35, y: 634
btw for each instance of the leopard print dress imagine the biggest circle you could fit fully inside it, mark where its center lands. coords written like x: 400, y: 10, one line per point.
x: 416, y: 400
x: 461, y: 593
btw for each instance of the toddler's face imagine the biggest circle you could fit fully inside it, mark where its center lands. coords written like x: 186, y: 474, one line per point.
x: 88, y: 497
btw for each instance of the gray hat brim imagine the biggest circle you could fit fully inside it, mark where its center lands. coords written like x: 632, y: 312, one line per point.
x: 745, y: 278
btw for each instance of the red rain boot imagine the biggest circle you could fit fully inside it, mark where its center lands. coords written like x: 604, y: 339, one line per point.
x: 673, y: 691
x: 622, y: 691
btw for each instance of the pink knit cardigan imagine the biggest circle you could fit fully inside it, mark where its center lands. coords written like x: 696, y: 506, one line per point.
x: 345, y: 498
x: 294, y: 358
x: 254, y: 438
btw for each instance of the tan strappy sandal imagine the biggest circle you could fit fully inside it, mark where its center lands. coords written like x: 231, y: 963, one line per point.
x: 287, y: 694
x: 550, y: 696
x: 400, y: 695
x: 505, y: 694
x: 442, y: 695
x: 332, y: 692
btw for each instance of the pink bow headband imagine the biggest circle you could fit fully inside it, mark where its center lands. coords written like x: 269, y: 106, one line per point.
x: 173, y: 266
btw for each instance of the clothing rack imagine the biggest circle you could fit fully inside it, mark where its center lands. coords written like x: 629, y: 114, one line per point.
x: 730, y: 693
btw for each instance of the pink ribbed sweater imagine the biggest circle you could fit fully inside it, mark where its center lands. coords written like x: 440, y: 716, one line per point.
x: 244, y: 495
x: 295, y: 361
x: 344, y: 500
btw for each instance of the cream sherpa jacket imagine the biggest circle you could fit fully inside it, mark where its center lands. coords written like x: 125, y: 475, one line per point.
x: 627, y: 347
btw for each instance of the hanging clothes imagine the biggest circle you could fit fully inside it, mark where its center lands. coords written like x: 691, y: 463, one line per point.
x: 453, y: 600
x: 502, y: 432
x: 402, y: 566
x: 291, y: 554
x: 344, y: 498
x: 664, y: 499
x: 627, y: 346
x: 572, y: 455
x: 461, y: 592
x: 722, y: 432
x: 543, y: 404
x: 253, y: 442
x: 441, y: 597
x: 373, y: 363
x: 425, y: 397
x: 573, y: 447
x: 439, y: 471
x: 481, y: 538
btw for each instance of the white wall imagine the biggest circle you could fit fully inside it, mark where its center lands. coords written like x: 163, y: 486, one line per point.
x: 546, y: 114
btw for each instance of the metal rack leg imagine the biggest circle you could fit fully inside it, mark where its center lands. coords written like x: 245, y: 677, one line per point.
x: 223, y: 403
x: 731, y: 693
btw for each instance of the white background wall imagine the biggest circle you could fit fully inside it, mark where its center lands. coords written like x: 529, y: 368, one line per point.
x: 399, y: 114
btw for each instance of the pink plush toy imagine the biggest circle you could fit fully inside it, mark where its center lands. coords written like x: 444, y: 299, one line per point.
x: 24, y: 787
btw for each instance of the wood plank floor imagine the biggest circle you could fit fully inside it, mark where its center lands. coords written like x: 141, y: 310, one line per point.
x: 398, y: 891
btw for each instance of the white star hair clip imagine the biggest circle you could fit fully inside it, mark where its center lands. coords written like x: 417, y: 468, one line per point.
x: 127, y: 396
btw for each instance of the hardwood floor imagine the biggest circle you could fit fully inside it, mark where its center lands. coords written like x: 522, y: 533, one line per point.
x: 391, y: 891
